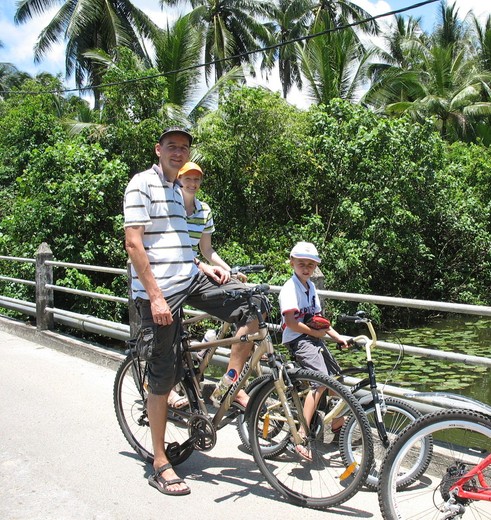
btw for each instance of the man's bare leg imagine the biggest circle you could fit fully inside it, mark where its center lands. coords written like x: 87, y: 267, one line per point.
x: 157, y: 416
x: 239, y: 354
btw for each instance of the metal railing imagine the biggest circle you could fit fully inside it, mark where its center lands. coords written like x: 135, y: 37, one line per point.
x: 46, y: 314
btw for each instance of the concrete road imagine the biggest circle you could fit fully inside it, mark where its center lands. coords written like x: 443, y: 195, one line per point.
x: 63, y: 457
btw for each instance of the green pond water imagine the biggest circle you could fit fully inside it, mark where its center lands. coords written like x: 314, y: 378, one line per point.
x: 463, y: 334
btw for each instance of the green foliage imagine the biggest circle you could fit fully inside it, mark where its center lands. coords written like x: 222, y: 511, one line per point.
x: 371, y: 184
x: 379, y: 197
x: 251, y: 149
x: 128, y: 98
x: 96, y: 307
x: 391, y: 207
x: 70, y: 197
x: 28, y: 123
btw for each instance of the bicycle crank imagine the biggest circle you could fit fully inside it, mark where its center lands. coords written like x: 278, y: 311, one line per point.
x: 202, y: 431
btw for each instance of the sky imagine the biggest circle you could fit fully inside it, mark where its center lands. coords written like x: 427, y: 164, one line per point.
x: 19, y: 40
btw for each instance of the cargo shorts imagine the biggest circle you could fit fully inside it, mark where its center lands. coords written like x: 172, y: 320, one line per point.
x: 163, y: 347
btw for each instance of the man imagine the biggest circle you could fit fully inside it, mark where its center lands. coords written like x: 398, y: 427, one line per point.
x: 165, y: 274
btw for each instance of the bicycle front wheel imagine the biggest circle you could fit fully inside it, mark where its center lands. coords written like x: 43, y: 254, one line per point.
x: 320, y: 479
x: 130, y: 404
x: 461, y: 441
x: 396, y: 415
x: 269, y: 449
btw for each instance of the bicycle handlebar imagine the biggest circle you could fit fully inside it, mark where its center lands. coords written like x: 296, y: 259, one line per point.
x: 236, y: 294
x: 359, y: 317
x: 247, y: 269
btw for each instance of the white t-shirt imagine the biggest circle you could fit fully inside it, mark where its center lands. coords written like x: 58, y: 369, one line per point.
x: 295, y: 297
x: 156, y: 204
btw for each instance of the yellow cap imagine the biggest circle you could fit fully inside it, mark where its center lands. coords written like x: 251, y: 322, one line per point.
x: 190, y: 167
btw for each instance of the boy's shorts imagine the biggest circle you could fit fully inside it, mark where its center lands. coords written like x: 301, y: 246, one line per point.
x: 312, y: 353
x: 165, y: 364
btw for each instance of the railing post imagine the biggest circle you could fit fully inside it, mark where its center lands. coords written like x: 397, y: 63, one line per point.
x: 317, y: 279
x: 44, y: 296
x: 132, y: 314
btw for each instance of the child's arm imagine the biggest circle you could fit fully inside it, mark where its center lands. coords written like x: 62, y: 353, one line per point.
x: 336, y: 337
x: 301, y: 328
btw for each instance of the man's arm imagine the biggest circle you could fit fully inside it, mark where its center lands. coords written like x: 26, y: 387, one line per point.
x: 161, y: 312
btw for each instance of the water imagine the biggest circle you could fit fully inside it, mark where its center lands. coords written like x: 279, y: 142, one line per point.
x: 464, y: 334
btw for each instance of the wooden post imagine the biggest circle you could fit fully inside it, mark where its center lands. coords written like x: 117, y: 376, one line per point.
x: 44, y: 296
x: 132, y: 314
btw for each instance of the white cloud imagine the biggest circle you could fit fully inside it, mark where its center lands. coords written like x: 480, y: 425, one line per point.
x: 19, y: 42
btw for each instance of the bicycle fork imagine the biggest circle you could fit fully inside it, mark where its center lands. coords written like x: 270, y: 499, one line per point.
x: 282, y: 384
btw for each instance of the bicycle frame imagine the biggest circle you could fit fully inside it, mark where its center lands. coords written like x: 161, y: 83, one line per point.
x: 371, y: 381
x: 482, y: 494
x: 264, y: 346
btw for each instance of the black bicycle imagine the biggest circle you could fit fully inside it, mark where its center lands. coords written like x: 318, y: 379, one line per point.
x: 387, y: 416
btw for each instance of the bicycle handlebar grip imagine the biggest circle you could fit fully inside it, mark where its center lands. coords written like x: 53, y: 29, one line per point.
x: 247, y: 269
x: 345, y: 317
x: 256, y: 268
x: 214, y: 295
x: 263, y: 288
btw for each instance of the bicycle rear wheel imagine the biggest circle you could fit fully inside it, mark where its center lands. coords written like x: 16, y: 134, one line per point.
x: 323, y: 481
x: 462, y: 439
x: 130, y: 404
x: 396, y: 415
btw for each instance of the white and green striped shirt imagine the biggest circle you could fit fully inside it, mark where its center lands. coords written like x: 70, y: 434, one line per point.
x: 156, y: 204
x: 201, y: 221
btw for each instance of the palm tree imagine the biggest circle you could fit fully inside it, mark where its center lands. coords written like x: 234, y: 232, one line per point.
x: 231, y: 30
x: 86, y: 25
x: 171, y: 90
x: 395, y: 78
x: 342, y: 12
x: 482, y: 39
x: 332, y: 65
x: 438, y: 76
x: 178, y: 48
x: 450, y: 31
x: 289, y: 20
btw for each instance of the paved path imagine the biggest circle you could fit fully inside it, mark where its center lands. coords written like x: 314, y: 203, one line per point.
x: 63, y: 457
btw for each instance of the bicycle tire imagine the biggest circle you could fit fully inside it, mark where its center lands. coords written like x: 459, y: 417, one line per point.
x: 243, y: 428
x: 323, y: 482
x: 130, y: 404
x: 396, y: 414
x: 458, y: 436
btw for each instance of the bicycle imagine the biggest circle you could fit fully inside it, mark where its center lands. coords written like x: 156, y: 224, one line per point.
x: 192, y: 428
x: 457, y: 481
x: 387, y: 416
x: 130, y: 387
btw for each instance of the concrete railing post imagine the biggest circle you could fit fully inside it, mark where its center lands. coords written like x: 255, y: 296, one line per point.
x: 44, y: 296
x: 318, y: 280
x: 132, y: 314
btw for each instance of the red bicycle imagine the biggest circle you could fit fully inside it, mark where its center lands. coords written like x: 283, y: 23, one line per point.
x: 457, y: 482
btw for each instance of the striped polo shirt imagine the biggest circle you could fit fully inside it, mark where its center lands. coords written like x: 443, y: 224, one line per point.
x: 156, y: 204
x: 201, y: 221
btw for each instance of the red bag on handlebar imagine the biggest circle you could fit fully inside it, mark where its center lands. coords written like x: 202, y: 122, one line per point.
x: 316, y: 321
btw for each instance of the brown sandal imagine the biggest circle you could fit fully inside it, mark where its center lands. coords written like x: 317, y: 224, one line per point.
x: 157, y: 481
